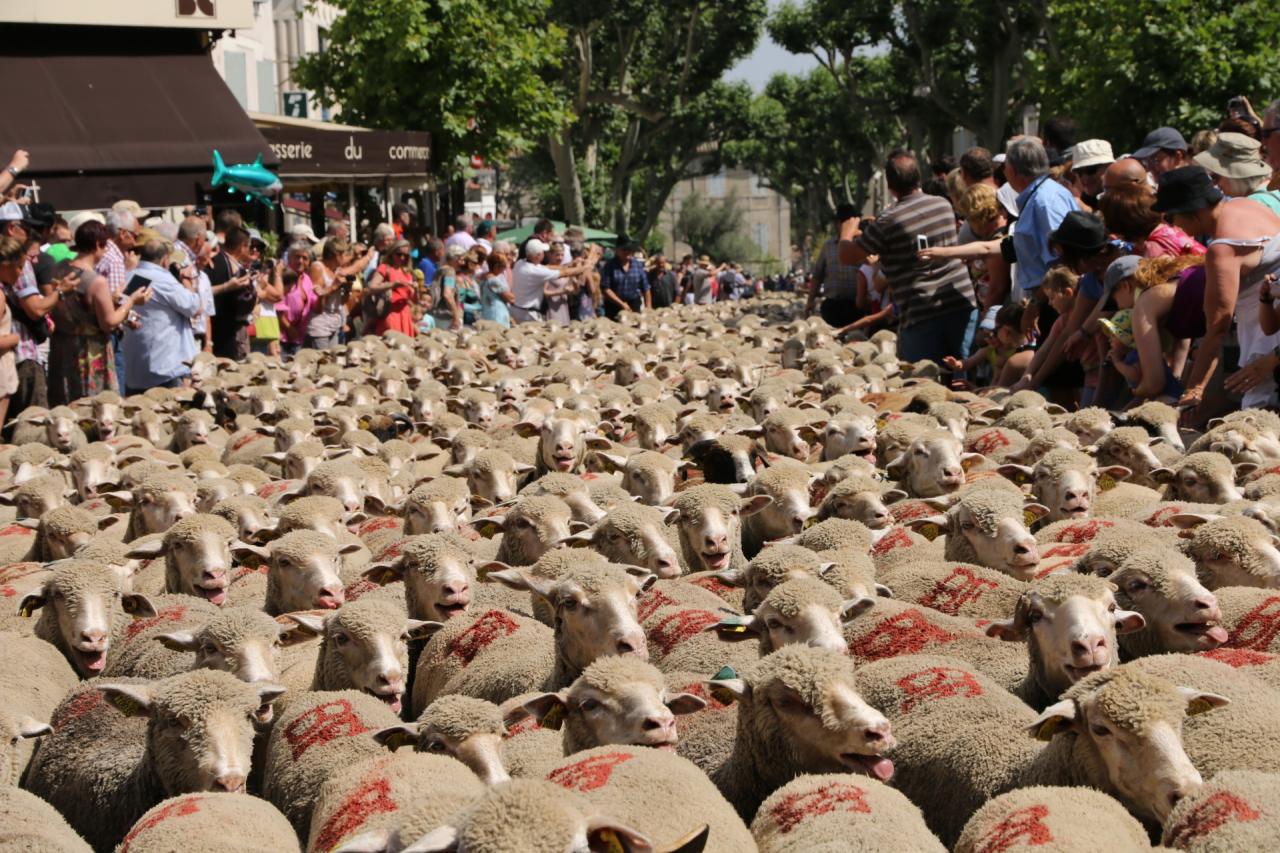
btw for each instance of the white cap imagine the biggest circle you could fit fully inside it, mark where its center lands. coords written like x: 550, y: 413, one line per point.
x: 304, y: 231
x: 1092, y: 152
x: 535, y: 247
x: 85, y: 216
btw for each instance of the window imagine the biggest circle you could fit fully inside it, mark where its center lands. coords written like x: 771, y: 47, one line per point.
x: 760, y: 235
x: 267, y: 86
x: 236, y: 73
x: 715, y: 185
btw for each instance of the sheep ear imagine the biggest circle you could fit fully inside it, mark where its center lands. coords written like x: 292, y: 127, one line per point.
x: 897, y: 466
x: 1033, y: 512
x: 883, y: 591
x: 932, y: 526
x: 489, y: 526
x: 421, y: 629
x: 350, y: 547
x: 443, y: 839
x: 29, y: 727
x: 582, y: 539
x: 1059, y: 716
x: 117, y: 500
x: 969, y: 461
x: 735, y: 627
x: 374, y: 841
x: 1019, y: 474
x: 178, y: 641
x: 132, y: 700
x: 137, y: 605
x: 730, y: 577
x: 597, y: 442
x: 1005, y: 629
x: 394, y: 737
x: 1162, y: 475
x: 685, y: 703
x: 610, y: 462
x: 527, y: 429
x: 1192, y: 520
x: 299, y: 626
x: 727, y: 687
x: 855, y: 607
x: 549, y: 709
x: 893, y: 495
x: 1198, y: 701
x: 753, y: 504
x: 1128, y: 621
x: 147, y: 550
x: 521, y: 580
x: 31, y: 602
x: 752, y: 431
x: 246, y: 553
x: 385, y: 573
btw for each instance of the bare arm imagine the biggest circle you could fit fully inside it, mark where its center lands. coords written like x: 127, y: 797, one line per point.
x: 105, y: 311
x: 19, y: 161
x: 849, y: 251
x: 982, y: 250
x: 1222, y: 287
x: 1146, y: 336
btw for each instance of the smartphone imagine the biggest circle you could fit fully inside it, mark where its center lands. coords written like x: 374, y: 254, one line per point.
x: 136, y: 283
x: 1235, y: 107
x: 922, y: 242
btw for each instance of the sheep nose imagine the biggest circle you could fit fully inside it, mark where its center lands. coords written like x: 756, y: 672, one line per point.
x: 1206, y: 602
x: 231, y: 783
x: 332, y: 596
x: 1088, y: 647
x: 95, y: 637
x: 394, y: 680
x: 953, y: 472
x: 664, y: 565
x: 630, y: 645
x: 212, y: 575
x: 659, y: 722
x: 876, y: 734
x: 718, y: 541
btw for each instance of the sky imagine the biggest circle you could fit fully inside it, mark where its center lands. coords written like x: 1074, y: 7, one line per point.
x: 768, y: 59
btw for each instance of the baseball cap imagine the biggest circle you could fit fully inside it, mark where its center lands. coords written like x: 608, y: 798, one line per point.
x: 11, y: 211
x: 1234, y: 155
x: 1186, y: 190
x: 1120, y: 269
x: 127, y: 204
x: 304, y: 231
x: 1080, y: 231
x: 1160, y: 139
x: 1092, y: 152
x: 535, y: 247
x: 85, y: 216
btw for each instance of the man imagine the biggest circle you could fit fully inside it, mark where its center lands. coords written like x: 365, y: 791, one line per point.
x: 461, y: 236
x: 623, y: 282
x: 662, y: 283
x: 837, y: 282
x: 697, y: 287
x: 155, y: 353
x: 528, y: 278
x: 1271, y: 141
x: 116, y: 263
x: 934, y: 301
x: 432, y: 257
x: 192, y: 243
x: 1042, y: 204
x: 234, y: 296
x: 484, y: 235
x: 1123, y: 171
x: 384, y: 236
x: 543, y: 231
x: 726, y: 281
x: 1088, y: 162
x: 1162, y: 151
x: 36, y: 303
x: 303, y: 231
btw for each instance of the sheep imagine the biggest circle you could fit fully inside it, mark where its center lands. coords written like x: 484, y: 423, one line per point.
x: 955, y: 588
x: 1068, y: 818
x: 840, y: 811
x: 1089, y: 424
x: 1130, y: 447
x: 1232, y: 551
x: 932, y: 464
x: 1247, y: 614
x: 799, y: 712
x: 1066, y: 482
x: 988, y: 527
x: 302, y: 570
x: 1027, y: 420
x: 563, y: 440
x: 803, y: 610
x: 205, y: 823
x: 78, y: 603
x: 1203, y: 477
x: 860, y: 499
x: 574, y: 490
x: 441, y: 506
x: 530, y: 527
x: 92, y: 467
x: 318, y: 735
x: 29, y: 823
x: 33, y: 679
x: 197, y: 555
x: 789, y: 431
x: 497, y: 655
x: 34, y: 497
x: 1235, y: 810
x: 461, y: 727
x: 491, y: 474
x: 118, y: 748
x: 654, y: 425
x: 708, y: 520
x: 63, y: 531
x: 648, y: 475
x: 634, y: 534
x: 726, y: 458
x: 438, y: 573
x: 1240, y: 441
x: 403, y: 783
x: 249, y: 514
x: 785, y: 514
x: 158, y: 502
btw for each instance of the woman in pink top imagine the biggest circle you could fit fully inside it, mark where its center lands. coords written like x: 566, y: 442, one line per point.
x: 299, y: 299
x: 1128, y: 214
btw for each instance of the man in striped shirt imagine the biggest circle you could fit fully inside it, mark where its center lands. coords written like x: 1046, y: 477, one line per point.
x: 934, y: 300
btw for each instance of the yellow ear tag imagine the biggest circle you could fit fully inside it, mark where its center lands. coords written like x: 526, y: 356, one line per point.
x: 930, y: 531
x: 396, y: 741
x: 554, y: 718
x: 966, y: 464
x: 1198, y: 706
x: 1022, y: 479
x: 1029, y: 518
x: 1106, y: 482
x: 723, y: 695
x: 387, y: 577
x: 124, y: 704
x: 26, y: 610
x: 810, y: 522
x: 731, y: 625
x: 607, y: 841
x: 363, y: 423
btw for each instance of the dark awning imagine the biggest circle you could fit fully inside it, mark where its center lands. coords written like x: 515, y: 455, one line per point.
x: 104, y: 128
x: 310, y: 149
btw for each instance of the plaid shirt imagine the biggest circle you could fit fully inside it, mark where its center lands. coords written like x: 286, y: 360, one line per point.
x: 630, y: 284
x: 112, y: 266
x: 28, y: 350
x: 199, y: 320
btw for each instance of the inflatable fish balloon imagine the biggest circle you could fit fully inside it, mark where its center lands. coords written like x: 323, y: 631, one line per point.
x: 253, y: 179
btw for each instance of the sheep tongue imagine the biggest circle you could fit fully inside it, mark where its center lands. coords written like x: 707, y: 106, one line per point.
x: 1218, y: 634
x: 877, y: 765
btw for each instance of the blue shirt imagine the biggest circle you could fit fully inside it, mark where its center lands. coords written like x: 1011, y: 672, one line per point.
x: 428, y: 268
x: 630, y: 283
x: 491, y: 305
x: 1041, y: 209
x: 157, y: 351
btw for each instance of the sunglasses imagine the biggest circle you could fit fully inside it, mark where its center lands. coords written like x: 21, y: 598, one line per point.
x: 1088, y: 171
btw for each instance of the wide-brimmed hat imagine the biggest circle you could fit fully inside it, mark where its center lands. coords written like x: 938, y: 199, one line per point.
x: 1092, y: 152
x: 1234, y: 155
x: 1119, y: 326
x: 1186, y: 190
x: 1080, y: 231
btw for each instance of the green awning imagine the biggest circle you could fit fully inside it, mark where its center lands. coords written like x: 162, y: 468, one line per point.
x: 593, y: 235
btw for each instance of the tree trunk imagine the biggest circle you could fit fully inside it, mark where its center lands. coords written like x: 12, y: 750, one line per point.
x: 560, y: 147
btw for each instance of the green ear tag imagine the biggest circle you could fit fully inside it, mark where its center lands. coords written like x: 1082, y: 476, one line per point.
x: 554, y: 718
x: 732, y: 625
x: 929, y: 531
x: 1106, y: 483
x: 725, y: 673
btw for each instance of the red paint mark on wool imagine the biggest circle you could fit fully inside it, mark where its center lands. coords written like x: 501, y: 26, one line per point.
x: 359, y: 588
x: 938, y: 682
x: 245, y: 440
x: 911, y: 510
x: 522, y: 726
x: 76, y: 708
x: 270, y: 490
x: 700, y: 690
x: 165, y: 614
x: 792, y: 810
x: 17, y: 530
x: 988, y: 442
x: 372, y: 796
x: 956, y: 590
x: 1164, y: 517
x: 16, y: 571
x: 1066, y: 549
x: 1237, y: 658
x: 679, y: 627
x: 178, y: 808
x: 322, y: 724
x: 1209, y: 816
x: 1025, y: 827
x: 904, y: 634
x: 651, y: 602
x: 1083, y: 531
x: 490, y: 626
x: 590, y: 773
x: 1259, y: 627
x: 714, y: 585
x: 373, y: 525
x: 395, y: 549
x: 896, y: 538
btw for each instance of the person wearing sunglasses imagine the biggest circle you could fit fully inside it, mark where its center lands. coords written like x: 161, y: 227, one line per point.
x: 1090, y: 159
x: 389, y: 299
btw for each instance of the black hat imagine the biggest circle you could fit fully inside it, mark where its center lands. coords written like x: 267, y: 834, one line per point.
x: 845, y: 211
x: 626, y: 244
x: 1160, y: 139
x: 45, y: 268
x: 1080, y: 232
x: 1186, y: 190
x: 39, y: 214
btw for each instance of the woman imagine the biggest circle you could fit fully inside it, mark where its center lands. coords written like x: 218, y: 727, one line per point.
x: 1127, y: 211
x: 495, y: 292
x: 299, y: 298
x: 557, y: 292
x: 1235, y: 161
x: 468, y: 291
x: 389, y: 297
x: 330, y: 277
x: 1244, y: 247
x: 266, y: 323
x: 81, y: 356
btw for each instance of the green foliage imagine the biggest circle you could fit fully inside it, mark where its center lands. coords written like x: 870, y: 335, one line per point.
x: 715, y: 229
x: 468, y: 71
x: 1161, y: 62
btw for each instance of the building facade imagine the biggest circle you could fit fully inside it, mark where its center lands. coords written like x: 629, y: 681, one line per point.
x: 766, y: 216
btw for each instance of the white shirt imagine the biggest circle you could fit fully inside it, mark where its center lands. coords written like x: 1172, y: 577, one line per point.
x: 526, y: 283
x: 459, y: 238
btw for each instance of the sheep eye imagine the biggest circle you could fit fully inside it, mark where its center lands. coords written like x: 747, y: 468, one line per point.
x: 436, y: 746
x: 210, y: 649
x: 1136, y: 586
x: 569, y: 603
x: 341, y: 639
x: 1034, y: 616
x: 588, y: 705
x: 1100, y: 731
x: 773, y: 625
x: 966, y: 525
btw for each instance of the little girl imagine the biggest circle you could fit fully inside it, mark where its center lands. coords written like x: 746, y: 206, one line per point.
x: 1008, y: 355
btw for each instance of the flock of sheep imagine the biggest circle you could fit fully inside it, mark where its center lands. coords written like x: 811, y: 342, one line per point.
x: 703, y: 580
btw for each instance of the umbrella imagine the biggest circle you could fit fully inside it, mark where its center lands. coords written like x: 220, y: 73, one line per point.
x: 592, y: 235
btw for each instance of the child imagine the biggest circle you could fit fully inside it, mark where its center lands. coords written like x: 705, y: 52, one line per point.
x: 1008, y: 354
x: 422, y: 311
x: 1124, y: 357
